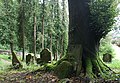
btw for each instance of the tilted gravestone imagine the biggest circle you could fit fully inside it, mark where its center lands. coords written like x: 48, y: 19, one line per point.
x: 107, y: 57
x: 15, y: 62
x: 45, y: 55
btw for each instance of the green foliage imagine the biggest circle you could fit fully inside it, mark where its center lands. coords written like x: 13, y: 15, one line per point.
x: 8, y: 22
x: 106, y: 46
x: 55, y: 25
x: 49, y: 67
x: 6, y: 46
x: 102, y: 14
x: 4, y: 62
x: 31, y: 67
x: 5, y: 57
x: 115, y: 65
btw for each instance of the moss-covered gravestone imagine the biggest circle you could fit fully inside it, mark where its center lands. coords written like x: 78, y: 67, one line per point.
x: 107, y: 57
x: 15, y: 62
x: 45, y: 55
x: 64, y: 69
x: 29, y: 59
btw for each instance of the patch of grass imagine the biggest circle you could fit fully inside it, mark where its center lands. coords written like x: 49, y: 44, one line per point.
x: 5, y: 57
x: 115, y: 65
x: 31, y: 67
x: 4, y: 61
x: 3, y: 65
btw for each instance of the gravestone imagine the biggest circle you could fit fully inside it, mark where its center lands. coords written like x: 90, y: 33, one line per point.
x: 107, y: 57
x: 15, y: 62
x: 45, y: 55
x: 29, y: 59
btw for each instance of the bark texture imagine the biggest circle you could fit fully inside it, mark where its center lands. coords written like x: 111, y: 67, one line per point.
x: 21, y: 27
x: 43, y: 11
x: 35, y: 24
x: 82, y: 46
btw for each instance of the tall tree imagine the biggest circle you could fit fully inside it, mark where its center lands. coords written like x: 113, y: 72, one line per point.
x: 35, y: 25
x: 57, y: 27
x: 82, y: 57
x: 21, y: 27
x: 8, y: 23
x: 64, y: 29
x: 43, y: 12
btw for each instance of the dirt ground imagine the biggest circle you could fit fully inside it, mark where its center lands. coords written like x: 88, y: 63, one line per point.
x: 46, y: 77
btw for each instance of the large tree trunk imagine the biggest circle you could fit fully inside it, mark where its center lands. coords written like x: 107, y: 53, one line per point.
x: 81, y: 41
x: 82, y: 50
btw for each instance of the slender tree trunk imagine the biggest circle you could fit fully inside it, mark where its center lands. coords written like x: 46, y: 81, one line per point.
x: 23, y: 34
x: 11, y: 47
x: 21, y: 27
x: 35, y: 21
x: 57, y: 53
x: 51, y: 42
x: 43, y: 32
x: 43, y: 25
x: 64, y: 25
x: 61, y: 47
x: 23, y: 45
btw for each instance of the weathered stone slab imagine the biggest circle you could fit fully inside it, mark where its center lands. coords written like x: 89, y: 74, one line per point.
x: 45, y: 55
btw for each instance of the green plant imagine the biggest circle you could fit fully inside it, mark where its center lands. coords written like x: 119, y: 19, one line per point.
x: 5, y: 57
x: 4, y: 62
x: 106, y: 46
x: 115, y: 64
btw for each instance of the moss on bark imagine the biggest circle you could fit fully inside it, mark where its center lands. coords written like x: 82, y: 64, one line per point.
x: 96, y: 68
x: 91, y: 67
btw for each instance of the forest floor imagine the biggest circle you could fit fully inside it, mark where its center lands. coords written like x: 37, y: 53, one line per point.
x: 45, y: 77
x: 30, y: 75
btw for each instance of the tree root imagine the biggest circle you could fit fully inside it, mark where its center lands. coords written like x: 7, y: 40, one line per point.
x: 95, y: 68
